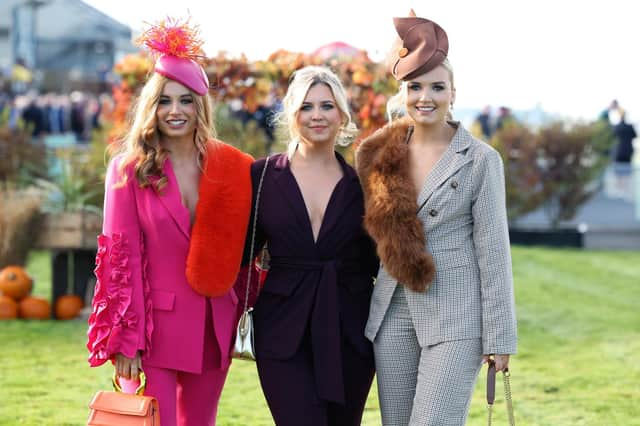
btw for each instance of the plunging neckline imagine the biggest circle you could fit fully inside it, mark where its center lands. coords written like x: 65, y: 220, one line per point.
x: 174, y: 179
x: 315, y: 238
x: 435, y: 166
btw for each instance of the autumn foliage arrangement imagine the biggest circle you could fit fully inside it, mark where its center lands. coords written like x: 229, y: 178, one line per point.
x: 248, y: 85
x: 132, y: 70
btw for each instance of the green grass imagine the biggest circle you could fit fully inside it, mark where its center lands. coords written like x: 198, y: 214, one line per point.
x: 578, y: 362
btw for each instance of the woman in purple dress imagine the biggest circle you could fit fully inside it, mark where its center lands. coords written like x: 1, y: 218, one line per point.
x: 314, y: 363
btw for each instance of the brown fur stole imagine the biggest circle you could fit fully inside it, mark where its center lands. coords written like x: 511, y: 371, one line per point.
x: 222, y: 218
x: 382, y: 162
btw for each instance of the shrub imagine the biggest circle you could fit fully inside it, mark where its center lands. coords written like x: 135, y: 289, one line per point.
x: 78, y: 186
x: 19, y: 219
x: 571, y: 159
x: 517, y: 146
x: 19, y: 156
x: 557, y: 167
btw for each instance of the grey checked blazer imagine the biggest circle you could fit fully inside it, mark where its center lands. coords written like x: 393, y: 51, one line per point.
x: 462, y: 208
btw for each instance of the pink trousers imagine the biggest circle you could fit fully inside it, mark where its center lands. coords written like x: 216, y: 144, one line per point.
x: 188, y: 399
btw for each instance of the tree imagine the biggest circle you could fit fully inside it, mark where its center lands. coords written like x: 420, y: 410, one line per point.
x: 571, y: 159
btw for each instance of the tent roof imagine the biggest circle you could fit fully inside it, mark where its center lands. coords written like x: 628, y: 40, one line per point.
x: 336, y: 49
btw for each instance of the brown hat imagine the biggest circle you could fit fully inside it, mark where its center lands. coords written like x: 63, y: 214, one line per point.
x: 424, y: 46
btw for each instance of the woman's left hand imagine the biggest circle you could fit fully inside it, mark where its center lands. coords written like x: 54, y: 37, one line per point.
x: 501, y: 360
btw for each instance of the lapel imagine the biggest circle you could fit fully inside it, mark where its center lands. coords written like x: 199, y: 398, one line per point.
x: 451, y: 161
x: 340, y: 199
x: 288, y: 188
x: 170, y: 198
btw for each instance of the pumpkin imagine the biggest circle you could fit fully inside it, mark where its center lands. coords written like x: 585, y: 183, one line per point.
x: 68, y: 306
x: 8, y: 307
x: 34, y: 308
x: 15, y: 282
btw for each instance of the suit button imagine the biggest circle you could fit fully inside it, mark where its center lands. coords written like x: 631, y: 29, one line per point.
x: 433, y: 212
x: 454, y: 184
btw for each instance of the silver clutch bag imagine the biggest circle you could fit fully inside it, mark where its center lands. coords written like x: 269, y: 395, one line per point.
x: 243, y: 346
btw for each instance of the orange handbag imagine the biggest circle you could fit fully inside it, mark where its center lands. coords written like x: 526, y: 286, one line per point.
x: 123, y: 409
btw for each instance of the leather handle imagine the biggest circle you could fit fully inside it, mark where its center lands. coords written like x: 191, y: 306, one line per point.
x: 491, y: 382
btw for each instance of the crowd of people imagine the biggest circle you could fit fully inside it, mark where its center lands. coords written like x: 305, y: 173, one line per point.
x: 618, y: 179
x: 77, y: 113
x: 486, y: 124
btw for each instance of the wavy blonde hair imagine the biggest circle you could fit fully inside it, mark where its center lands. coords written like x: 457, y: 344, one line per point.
x: 303, y: 80
x: 141, y: 145
x: 396, y: 105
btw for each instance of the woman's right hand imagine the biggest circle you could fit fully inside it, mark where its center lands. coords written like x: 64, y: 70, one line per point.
x: 128, y: 368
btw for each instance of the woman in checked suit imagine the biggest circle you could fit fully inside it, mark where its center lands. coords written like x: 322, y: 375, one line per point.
x: 443, y: 300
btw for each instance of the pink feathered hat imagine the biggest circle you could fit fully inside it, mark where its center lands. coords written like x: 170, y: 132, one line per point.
x: 176, y: 47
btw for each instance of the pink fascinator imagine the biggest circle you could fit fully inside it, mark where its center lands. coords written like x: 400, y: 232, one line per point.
x: 176, y: 46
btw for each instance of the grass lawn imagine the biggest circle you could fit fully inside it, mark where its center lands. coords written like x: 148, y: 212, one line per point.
x: 578, y: 360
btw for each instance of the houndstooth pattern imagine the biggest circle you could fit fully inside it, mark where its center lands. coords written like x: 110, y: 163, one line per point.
x: 462, y: 208
x: 411, y: 379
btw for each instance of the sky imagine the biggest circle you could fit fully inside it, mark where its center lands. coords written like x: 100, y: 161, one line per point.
x: 567, y: 57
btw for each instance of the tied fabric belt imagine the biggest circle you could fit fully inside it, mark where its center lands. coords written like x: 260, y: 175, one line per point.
x: 325, y: 323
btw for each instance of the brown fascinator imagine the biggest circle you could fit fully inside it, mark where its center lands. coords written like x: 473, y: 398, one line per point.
x: 424, y: 46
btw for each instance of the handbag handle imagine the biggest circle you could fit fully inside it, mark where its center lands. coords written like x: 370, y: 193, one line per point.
x: 491, y: 392
x: 139, y: 390
x: 253, y: 234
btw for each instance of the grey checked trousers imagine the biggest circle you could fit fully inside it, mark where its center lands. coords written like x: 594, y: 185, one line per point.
x: 422, y: 386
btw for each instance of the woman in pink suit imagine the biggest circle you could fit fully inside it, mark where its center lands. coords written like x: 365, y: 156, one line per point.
x: 161, y: 303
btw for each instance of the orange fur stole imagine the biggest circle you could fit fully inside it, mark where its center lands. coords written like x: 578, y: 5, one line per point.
x: 382, y: 162
x: 222, y: 218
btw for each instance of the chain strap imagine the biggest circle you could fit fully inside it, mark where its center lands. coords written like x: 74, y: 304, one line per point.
x: 253, y: 234
x: 491, y: 392
x: 507, y: 396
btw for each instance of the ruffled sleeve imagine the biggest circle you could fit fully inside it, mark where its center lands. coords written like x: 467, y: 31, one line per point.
x: 120, y: 318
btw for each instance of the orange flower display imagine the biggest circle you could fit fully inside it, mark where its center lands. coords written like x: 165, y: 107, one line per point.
x: 132, y: 70
x: 250, y: 85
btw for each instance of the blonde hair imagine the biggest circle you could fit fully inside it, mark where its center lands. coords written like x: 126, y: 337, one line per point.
x: 141, y: 145
x: 396, y: 105
x: 303, y: 80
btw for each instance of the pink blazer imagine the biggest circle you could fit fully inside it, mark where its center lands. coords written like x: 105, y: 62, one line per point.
x: 142, y: 299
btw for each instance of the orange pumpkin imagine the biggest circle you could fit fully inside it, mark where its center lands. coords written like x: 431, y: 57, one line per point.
x: 8, y: 308
x: 34, y: 308
x: 15, y: 282
x: 68, y: 306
